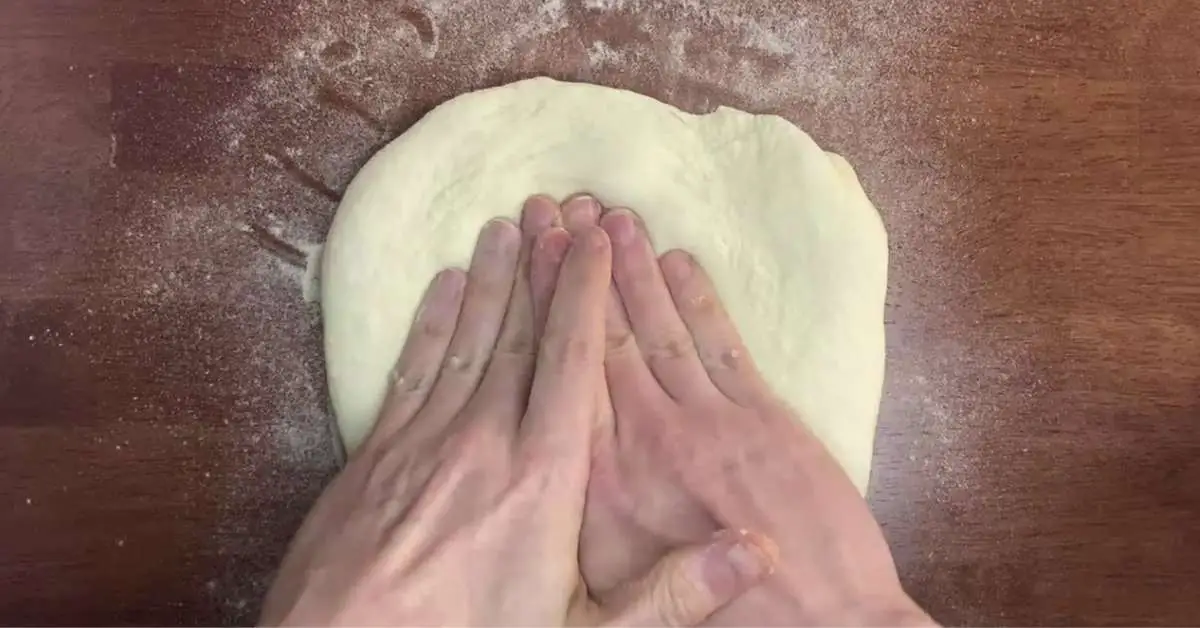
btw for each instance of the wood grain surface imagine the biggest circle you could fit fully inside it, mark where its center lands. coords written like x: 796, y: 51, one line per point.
x: 163, y: 164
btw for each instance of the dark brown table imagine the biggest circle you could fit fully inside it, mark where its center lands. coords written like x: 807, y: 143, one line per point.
x: 163, y: 163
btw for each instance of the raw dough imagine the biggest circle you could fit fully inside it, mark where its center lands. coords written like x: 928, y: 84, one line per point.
x: 796, y: 249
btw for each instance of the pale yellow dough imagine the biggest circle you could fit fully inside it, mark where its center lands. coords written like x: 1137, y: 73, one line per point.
x: 794, y: 246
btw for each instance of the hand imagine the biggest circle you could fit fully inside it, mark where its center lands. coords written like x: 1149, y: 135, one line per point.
x: 694, y: 441
x: 464, y: 505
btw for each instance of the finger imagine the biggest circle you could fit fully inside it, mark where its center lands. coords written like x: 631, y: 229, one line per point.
x: 417, y: 369
x: 718, y: 342
x: 505, y: 386
x: 627, y: 374
x: 485, y: 300
x: 661, y: 337
x: 580, y: 212
x: 630, y: 382
x: 517, y: 341
x: 689, y: 585
x: 570, y: 362
x: 548, y: 254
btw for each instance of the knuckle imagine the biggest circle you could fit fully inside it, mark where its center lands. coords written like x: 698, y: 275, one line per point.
x: 672, y: 347
x: 459, y: 364
x: 519, y: 342
x: 733, y: 359
x: 572, y: 350
x: 726, y: 359
x: 619, y: 341
x: 481, y: 439
x: 435, y: 327
x: 408, y: 381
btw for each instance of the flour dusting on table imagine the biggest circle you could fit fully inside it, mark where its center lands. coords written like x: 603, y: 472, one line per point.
x: 351, y: 75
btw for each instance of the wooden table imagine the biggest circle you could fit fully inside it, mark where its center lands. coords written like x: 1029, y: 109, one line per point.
x: 162, y: 411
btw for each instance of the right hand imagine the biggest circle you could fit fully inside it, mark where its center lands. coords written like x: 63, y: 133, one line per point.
x: 694, y: 442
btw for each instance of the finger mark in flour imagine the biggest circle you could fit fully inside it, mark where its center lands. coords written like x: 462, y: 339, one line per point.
x: 424, y: 26
x: 289, y: 166
x: 275, y: 245
x: 339, y: 53
x: 330, y: 97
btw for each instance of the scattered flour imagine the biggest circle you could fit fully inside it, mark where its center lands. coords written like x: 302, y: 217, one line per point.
x: 600, y: 53
x: 352, y: 74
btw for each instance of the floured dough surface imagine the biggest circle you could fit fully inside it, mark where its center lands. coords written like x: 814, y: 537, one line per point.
x: 797, y: 251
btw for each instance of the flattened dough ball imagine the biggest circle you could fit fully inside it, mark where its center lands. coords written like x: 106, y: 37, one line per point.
x: 797, y: 251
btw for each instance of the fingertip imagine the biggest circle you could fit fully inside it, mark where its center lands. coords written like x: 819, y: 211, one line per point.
x: 677, y: 264
x: 443, y: 296
x: 539, y: 212
x: 619, y: 209
x: 736, y: 561
x: 450, y: 280
x: 499, y: 234
x: 499, y: 224
x: 577, y: 195
x: 580, y: 211
x: 554, y: 242
x: 593, y: 239
x: 591, y: 253
x: 620, y: 225
x: 756, y: 554
x: 445, y: 292
x: 583, y: 201
x: 614, y: 213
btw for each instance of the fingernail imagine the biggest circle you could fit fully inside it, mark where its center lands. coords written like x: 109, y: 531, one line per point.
x: 620, y: 226
x: 500, y: 234
x: 539, y: 213
x: 678, y: 264
x: 748, y: 560
x: 736, y: 561
x: 443, y: 293
x: 582, y: 198
x: 447, y: 284
x: 583, y: 204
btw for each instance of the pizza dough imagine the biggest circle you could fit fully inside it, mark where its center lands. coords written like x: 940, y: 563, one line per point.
x: 796, y: 249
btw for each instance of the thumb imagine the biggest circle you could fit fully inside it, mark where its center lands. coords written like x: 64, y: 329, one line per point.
x: 691, y: 583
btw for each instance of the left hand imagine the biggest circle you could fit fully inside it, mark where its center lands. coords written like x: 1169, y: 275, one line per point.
x: 464, y: 505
